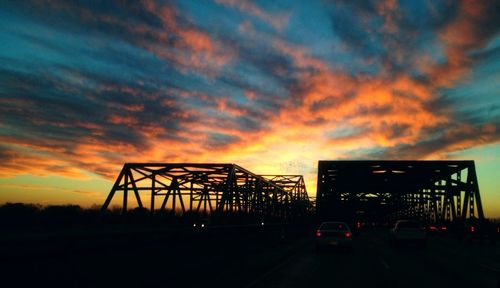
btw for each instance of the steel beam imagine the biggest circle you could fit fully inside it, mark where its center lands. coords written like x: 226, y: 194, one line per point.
x: 431, y: 190
x: 210, y: 188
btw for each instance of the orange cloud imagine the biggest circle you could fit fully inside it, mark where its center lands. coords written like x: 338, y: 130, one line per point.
x: 21, y: 159
x: 471, y: 28
x: 277, y: 21
x: 125, y: 120
x: 300, y: 56
x: 193, y: 49
x: 388, y: 112
x: 184, y: 45
x: 389, y: 11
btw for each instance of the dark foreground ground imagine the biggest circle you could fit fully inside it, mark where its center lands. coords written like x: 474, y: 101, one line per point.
x: 252, y: 256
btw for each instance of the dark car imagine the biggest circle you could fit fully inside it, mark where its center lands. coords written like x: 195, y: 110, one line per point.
x: 408, y: 231
x: 479, y: 230
x: 333, y: 235
x: 438, y: 228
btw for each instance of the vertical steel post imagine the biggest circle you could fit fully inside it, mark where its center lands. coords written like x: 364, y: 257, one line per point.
x: 173, y: 188
x: 134, y: 187
x: 125, y: 192
x: 459, y: 194
x: 205, y: 194
x: 476, y: 193
x: 191, y: 197
x: 153, y: 192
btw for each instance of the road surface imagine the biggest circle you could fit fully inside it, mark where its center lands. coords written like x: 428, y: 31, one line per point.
x: 245, y: 259
x: 374, y: 262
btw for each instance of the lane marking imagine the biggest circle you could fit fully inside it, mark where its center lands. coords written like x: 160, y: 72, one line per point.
x: 386, y: 265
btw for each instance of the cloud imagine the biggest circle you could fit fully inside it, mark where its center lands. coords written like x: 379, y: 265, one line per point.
x: 157, y: 28
x: 19, y: 160
x: 476, y: 22
x: 457, y: 138
x: 277, y: 21
x: 89, y: 86
x: 92, y: 130
x: 86, y: 120
x: 216, y: 140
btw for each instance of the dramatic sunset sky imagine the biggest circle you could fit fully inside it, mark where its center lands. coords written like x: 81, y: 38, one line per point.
x: 273, y: 86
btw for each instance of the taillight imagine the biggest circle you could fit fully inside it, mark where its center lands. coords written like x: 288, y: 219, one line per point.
x: 471, y: 229
x: 444, y: 228
x: 347, y: 235
x: 318, y: 233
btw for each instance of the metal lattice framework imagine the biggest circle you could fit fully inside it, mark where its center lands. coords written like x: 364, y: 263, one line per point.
x: 208, y: 188
x: 433, y: 191
x: 296, y: 186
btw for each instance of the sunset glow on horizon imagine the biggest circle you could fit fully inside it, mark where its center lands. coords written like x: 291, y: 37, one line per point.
x: 273, y: 86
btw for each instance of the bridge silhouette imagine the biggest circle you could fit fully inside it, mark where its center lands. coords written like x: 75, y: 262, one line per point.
x: 431, y: 191
x: 368, y: 190
x: 209, y: 188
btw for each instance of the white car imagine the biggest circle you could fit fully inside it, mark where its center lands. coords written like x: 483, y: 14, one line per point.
x: 409, y: 231
x: 333, y: 234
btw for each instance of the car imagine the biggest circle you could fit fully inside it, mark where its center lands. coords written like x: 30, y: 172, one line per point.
x: 333, y: 235
x: 358, y: 226
x: 436, y: 228
x: 443, y: 228
x: 476, y: 230
x: 408, y: 231
x: 432, y: 229
x: 202, y: 223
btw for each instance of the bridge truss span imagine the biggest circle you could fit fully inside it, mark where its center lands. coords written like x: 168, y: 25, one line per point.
x: 296, y: 187
x: 433, y: 191
x: 207, y: 188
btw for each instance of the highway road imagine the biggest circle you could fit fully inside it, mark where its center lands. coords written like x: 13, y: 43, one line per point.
x: 374, y: 262
x: 250, y: 258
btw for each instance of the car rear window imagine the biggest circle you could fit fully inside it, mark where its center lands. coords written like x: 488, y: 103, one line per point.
x: 333, y: 226
x: 408, y: 225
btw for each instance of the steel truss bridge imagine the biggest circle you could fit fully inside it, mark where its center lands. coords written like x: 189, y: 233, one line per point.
x: 432, y: 191
x: 209, y: 188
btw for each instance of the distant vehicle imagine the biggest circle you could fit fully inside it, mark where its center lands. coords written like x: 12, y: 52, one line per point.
x: 437, y: 228
x: 358, y: 225
x: 480, y: 230
x: 432, y: 229
x: 408, y: 231
x: 202, y: 223
x: 333, y: 235
x: 443, y: 228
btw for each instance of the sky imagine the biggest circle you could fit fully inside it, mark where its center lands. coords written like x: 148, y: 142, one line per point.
x: 273, y: 86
